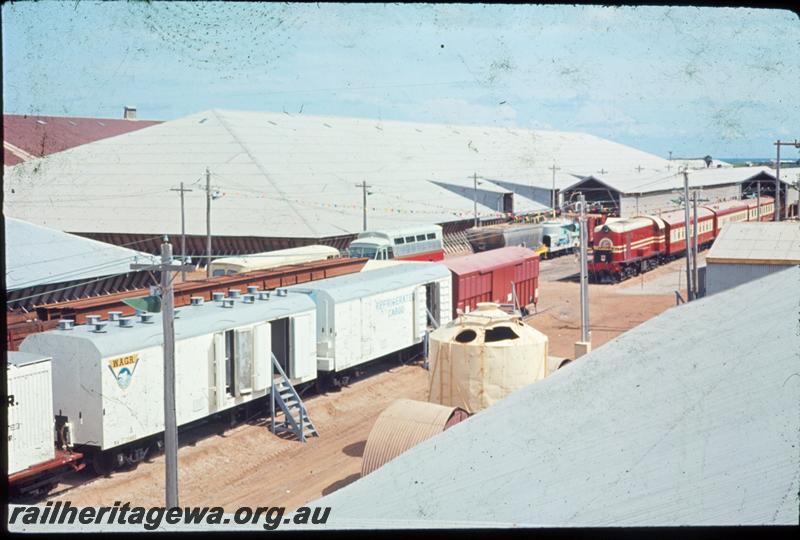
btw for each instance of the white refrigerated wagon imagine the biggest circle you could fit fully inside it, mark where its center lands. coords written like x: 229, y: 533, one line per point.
x: 367, y: 315
x: 110, y: 373
x: 31, y: 425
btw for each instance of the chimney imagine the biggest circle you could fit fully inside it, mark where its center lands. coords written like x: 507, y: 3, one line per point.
x: 126, y: 322
x: 130, y: 112
x: 114, y: 315
x: 197, y: 300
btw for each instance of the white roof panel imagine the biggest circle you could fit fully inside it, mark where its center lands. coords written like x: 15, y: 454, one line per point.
x: 754, y: 242
x: 191, y: 321
x: 379, y: 280
x: 38, y: 255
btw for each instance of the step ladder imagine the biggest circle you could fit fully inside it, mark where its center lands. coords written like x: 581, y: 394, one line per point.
x: 286, y: 402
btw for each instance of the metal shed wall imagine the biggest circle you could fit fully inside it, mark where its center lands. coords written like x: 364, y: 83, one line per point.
x: 652, y: 203
x: 723, y: 276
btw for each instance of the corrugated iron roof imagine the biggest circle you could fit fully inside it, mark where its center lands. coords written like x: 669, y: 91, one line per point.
x: 688, y: 419
x: 38, y: 255
x: 754, y: 242
x: 40, y: 136
x: 649, y: 182
x: 294, y: 176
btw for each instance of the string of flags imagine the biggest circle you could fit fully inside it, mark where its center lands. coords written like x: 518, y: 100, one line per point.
x: 373, y: 209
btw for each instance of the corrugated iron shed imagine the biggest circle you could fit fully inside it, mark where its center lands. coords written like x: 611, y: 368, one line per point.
x: 38, y: 255
x: 753, y: 242
x: 632, y: 182
x: 294, y: 176
x: 688, y: 419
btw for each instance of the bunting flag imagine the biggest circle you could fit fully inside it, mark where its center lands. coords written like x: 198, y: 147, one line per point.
x: 338, y: 206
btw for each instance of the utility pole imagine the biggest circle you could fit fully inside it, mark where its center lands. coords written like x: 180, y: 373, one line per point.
x: 183, y: 230
x: 694, y: 252
x: 758, y: 200
x: 778, y: 144
x: 689, y: 288
x: 363, y: 185
x: 553, y: 194
x: 166, y: 267
x: 585, y: 338
x: 208, y: 223
x: 475, y: 197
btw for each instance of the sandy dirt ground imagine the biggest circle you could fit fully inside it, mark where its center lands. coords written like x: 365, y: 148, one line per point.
x: 248, y: 465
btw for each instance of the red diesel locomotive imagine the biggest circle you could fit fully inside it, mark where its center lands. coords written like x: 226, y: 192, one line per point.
x: 627, y: 247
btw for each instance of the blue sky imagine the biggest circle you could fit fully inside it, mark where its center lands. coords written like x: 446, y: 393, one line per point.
x: 694, y: 81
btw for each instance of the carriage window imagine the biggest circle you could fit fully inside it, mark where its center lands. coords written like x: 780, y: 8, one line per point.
x: 398, y: 241
x: 409, y: 238
x: 431, y: 236
x: 420, y: 237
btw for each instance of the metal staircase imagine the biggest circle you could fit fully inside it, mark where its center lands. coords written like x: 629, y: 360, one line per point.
x: 293, y: 415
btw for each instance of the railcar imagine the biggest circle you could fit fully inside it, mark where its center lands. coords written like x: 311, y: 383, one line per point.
x: 493, y: 237
x: 560, y: 237
x: 35, y: 460
x: 629, y: 246
x: 423, y: 243
x: 361, y: 317
x: 505, y: 276
x: 110, y: 372
x: 226, y: 266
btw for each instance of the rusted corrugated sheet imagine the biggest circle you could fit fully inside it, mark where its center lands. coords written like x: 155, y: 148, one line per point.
x: 43, y: 135
x: 404, y: 424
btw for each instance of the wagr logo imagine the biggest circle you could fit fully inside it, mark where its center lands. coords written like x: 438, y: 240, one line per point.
x: 123, y: 368
x: 605, y: 243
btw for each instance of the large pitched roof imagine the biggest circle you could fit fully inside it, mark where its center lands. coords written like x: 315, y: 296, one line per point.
x: 294, y: 176
x: 688, y: 419
x: 30, y: 136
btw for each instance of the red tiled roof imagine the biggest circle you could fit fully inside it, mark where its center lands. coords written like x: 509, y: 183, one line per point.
x: 43, y: 135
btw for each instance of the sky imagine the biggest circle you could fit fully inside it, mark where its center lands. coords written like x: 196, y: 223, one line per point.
x: 691, y: 81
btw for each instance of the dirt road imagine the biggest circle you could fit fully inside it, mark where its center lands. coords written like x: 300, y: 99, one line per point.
x: 248, y: 465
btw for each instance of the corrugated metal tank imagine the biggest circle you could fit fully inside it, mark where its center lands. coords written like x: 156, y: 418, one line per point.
x: 482, y: 357
x: 403, y: 425
x: 30, y: 414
